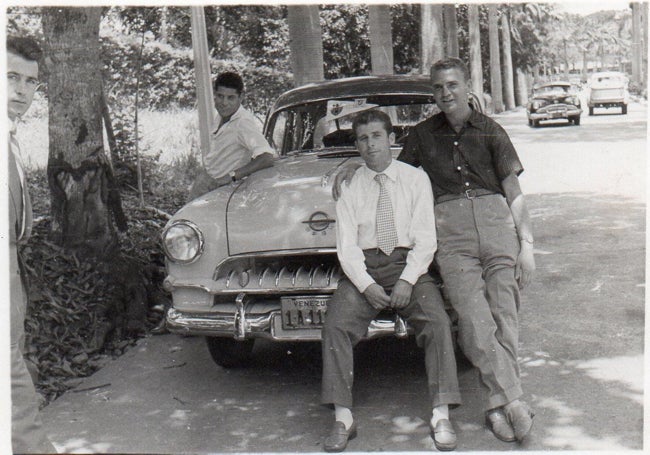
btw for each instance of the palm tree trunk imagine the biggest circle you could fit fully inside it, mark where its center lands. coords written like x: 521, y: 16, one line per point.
x: 381, y: 39
x: 306, y: 44
x: 475, y: 64
x: 79, y: 174
x: 495, y: 59
x: 451, y: 29
x: 521, y: 84
x: 508, y: 74
x: 431, y: 36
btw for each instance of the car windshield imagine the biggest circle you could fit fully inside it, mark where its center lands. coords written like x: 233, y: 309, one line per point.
x: 548, y: 89
x: 326, y: 125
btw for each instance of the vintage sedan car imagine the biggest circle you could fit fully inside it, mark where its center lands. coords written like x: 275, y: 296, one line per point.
x: 608, y: 89
x: 553, y: 101
x: 257, y: 258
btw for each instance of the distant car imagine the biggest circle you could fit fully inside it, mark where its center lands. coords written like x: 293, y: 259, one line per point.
x: 553, y: 101
x: 257, y: 258
x: 608, y: 89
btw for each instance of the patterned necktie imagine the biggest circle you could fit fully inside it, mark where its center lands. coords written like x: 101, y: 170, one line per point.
x: 386, y: 232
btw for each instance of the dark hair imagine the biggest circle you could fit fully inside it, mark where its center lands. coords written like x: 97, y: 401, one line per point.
x: 229, y: 80
x: 372, y: 115
x: 25, y: 47
x: 450, y: 63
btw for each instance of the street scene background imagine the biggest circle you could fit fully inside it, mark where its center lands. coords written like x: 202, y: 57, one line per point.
x: 582, y: 318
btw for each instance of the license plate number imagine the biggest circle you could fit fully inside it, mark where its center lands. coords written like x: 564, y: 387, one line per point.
x: 303, y: 312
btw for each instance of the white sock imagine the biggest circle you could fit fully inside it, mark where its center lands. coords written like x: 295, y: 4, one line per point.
x: 439, y: 412
x: 343, y: 414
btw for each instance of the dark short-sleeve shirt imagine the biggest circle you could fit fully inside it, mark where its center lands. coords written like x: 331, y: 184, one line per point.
x: 480, y: 156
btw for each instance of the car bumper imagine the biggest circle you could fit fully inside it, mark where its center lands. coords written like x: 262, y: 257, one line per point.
x: 241, y: 325
x: 555, y: 115
x: 607, y: 103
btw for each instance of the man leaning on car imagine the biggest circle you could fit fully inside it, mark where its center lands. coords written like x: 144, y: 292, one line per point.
x: 237, y: 146
x: 385, y: 245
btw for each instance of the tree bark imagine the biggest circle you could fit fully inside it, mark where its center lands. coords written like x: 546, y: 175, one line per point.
x: 451, y: 29
x: 306, y: 44
x: 381, y: 39
x: 431, y: 36
x: 84, y: 195
x: 495, y: 59
x: 508, y: 73
x: 637, y: 44
x: 521, y: 93
x: 475, y: 51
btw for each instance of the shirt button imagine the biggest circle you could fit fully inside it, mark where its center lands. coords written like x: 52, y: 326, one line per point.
x: 459, y: 168
x: 455, y: 142
x: 466, y: 183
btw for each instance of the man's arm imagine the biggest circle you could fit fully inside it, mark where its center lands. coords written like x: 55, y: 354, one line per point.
x: 258, y: 163
x: 526, y: 260
x: 343, y: 176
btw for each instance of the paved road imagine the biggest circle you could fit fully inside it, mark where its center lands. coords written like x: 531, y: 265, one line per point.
x: 581, y: 345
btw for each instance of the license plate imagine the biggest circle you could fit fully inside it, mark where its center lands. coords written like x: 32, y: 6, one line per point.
x: 303, y: 312
x: 558, y: 114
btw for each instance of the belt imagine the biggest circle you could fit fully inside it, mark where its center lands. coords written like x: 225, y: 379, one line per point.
x: 468, y: 194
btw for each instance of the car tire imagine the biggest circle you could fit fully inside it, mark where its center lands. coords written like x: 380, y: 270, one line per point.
x: 530, y: 122
x: 576, y: 120
x: 591, y: 111
x: 535, y: 123
x: 230, y: 353
x: 624, y: 109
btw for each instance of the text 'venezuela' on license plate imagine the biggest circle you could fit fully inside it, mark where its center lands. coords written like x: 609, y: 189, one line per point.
x: 304, y: 312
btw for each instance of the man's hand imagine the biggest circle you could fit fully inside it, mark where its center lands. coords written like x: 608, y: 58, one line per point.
x: 525, y: 265
x: 401, y: 295
x: 344, y: 175
x: 376, y: 296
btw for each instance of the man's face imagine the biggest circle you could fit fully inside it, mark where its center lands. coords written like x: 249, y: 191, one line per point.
x: 22, y: 82
x: 373, y: 143
x: 227, y: 101
x: 450, y: 90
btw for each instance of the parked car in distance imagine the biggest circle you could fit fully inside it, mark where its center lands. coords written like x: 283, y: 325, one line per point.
x: 608, y: 89
x: 257, y: 258
x: 552, y: 101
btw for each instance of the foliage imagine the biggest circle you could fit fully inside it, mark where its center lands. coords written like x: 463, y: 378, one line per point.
x: 346, y: 49
x: 406, y: 37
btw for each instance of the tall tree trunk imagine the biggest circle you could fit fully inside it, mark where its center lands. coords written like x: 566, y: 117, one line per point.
x: 495, y: 58
x: 431, y: 36
x: 475, y: 51
x: 381, y: 39
x: 306, y: 44
x: 521, y: 84
x: 637, y: 43
x: 451, y: 29
x: 508, y: 73
x: 79, y: 175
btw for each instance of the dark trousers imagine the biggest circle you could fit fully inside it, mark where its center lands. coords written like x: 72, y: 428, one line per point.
x: 349, y: 314
x: 477, y: 252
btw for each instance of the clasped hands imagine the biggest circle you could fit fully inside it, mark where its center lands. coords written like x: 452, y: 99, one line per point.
x: 399, y: 298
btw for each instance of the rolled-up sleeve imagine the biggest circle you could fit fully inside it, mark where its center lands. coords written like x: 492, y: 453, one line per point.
x: 423, y: 230
x: 250, y: 135
x: 504, y: 155
x: 351, y: 257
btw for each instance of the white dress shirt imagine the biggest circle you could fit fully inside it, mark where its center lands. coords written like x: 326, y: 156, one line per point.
x: 356, y: 209
x: 235, y: 143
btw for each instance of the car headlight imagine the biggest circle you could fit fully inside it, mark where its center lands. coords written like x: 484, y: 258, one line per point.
x: 182, y: 242
x: 537, y: 104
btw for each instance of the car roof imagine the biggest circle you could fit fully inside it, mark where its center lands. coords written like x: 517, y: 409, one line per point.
x: 352, y: 87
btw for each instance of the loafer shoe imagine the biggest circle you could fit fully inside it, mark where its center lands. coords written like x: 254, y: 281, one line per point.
x: 497, y: 422
x: 521, y: 419
x: 339, y: 436
x: 443, y: 434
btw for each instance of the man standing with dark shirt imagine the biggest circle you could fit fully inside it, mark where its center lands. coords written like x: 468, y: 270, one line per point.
x: 485, y: 241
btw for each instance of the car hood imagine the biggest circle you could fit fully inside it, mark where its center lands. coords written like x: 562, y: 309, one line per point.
x: 271, y: 210
x: 552, y: 97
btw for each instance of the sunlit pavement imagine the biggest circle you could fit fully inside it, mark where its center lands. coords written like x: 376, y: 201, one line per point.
x: 581, y: 343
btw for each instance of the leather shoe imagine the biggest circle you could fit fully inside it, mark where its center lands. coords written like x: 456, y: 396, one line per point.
x: 338, y: 438
x: 521, y: 419
x: 443, y: 434
x: 497, y: 422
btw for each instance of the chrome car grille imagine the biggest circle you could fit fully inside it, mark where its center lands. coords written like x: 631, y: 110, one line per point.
x: 262, y: 273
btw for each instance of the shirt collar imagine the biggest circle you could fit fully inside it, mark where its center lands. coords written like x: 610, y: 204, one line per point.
x: 475, y: 119
x: 390, y: 171
x: 217, y: 118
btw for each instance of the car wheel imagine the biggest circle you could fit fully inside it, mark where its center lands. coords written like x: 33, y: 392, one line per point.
x: 624, y: 109
x: 576, y: 120
x: 530, y: 122
x: 228, y: 352
x: 591, y: 111
x: 535, y: 123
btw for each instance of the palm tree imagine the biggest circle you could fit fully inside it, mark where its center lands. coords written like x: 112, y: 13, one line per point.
x: 306, y: 44
x: 508, y: 75
x: 475, y: 50
x: 451, y: 29
x: 381, y: 39
x: 431, y: 35
x: 495, y: 58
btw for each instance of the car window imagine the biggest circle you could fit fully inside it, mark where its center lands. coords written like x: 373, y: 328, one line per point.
x: 308, y: 128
